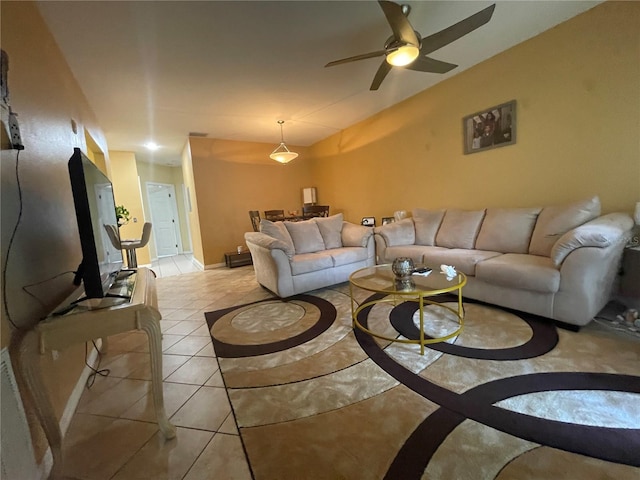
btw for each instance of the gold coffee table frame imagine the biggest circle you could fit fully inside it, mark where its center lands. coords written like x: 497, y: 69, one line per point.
x: 380, y: 279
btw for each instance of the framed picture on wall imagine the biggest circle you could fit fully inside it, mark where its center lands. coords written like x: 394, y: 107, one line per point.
x: 368, y: 221
x: 386, y: 220
x: 491, y: 128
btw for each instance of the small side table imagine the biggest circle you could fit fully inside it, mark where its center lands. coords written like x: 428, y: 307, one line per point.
x: 630, y: 281
x: 235, y: 259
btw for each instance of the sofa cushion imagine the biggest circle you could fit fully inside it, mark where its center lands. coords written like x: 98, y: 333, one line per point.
x: 306, y: 236
x: 355, y: 235
x: 278, y: 231
x: 311, y: 262
x: 459, y: 228
x: 521, y: 271
x: 414, y: 252
x: 553, y: 222
x: 464, y: 260
x: 507, y: 230
x: 331, y: 230
x: 398, y: 233
x: 347, y: 255
x: 427, y: 223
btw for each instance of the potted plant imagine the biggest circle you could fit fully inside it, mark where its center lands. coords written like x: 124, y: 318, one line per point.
x: 123, y: 215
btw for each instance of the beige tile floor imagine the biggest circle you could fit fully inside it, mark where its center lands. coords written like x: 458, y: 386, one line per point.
x: 113, y: 434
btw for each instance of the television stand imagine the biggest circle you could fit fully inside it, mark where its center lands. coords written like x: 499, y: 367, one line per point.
x: 80, y: 325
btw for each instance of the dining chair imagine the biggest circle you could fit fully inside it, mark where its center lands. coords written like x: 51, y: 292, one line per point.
x: 255, y: 219
x: 310, y: 211
x: 274, y: 215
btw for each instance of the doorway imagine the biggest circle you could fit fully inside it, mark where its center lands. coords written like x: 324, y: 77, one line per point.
x: 164, y: 217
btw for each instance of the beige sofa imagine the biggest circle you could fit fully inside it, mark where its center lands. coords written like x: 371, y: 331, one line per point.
x: 296, y: 257
x: 558, y: 262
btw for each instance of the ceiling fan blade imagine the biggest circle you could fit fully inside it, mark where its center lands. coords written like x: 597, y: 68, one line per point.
x: 380, y: 74
x: 355, y: 58
x: 399, y: 23
x: 454, y: 32
x: 427, y: 64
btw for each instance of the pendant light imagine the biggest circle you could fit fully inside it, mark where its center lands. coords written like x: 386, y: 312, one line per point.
x: 282, y: 154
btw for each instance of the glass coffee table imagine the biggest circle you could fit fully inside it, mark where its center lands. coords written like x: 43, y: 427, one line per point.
x: 419, y: 288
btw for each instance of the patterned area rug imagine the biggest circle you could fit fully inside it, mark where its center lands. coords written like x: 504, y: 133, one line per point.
x: 511, y: 397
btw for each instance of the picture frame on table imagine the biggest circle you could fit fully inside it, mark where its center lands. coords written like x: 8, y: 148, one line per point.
x: 387, y: 220
x: 368, y: 221
x: 490, y: 128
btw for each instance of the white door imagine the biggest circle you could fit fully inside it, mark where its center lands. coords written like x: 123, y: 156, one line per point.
x: 164, y: 217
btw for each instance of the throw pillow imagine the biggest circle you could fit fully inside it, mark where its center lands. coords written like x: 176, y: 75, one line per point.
x: 553, y: 222
x: 459, y: 228
x: 507, y: 230
x: 427, y: 223
x: 278, y: 231
x: 331, y: 230
x: 306, y: 236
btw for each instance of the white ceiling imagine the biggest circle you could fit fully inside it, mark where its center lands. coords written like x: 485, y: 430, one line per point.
x: 157, y: 70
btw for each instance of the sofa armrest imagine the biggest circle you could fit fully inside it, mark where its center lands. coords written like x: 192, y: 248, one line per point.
x: 601, y: 232
x: 355, y: 235
x: 263, y: 240
x: 398, y: 233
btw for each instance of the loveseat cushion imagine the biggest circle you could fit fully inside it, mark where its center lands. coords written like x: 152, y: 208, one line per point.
x: 427, y: 223
x: 398, y: 233
x: 459, y: 228
x: 520, y: 271
x: 347, y: 255
x: 553, y: 222
x: 507, y: 230
x: 464, y: 260
x: 278, y: 231
x: 306, y: 236
x: 331, y: 230
x: 311, y: 262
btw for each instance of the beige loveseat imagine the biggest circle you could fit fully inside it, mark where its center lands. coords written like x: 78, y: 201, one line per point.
x: 296, y: 257
x: 558, y: 262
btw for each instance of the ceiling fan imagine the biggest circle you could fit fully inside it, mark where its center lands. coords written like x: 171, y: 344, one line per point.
x: 407, y: 49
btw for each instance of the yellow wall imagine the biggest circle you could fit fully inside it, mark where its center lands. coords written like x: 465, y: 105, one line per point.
x: 126, y: 189
x: 231, y: 178
x: 46, y: 248
x: 577, y: 89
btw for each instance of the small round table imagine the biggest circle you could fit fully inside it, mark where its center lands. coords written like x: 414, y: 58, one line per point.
x: 380, y: 279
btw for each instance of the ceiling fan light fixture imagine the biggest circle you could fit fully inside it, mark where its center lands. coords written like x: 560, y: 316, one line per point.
x: 282, y: 154
x: 403, y: 55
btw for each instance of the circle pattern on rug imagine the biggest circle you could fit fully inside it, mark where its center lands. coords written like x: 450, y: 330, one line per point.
x: 268, y: 317
x: 320, y: 317
x: 479, y: 403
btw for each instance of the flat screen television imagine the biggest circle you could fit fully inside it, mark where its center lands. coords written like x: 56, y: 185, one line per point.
x: 95, y: 208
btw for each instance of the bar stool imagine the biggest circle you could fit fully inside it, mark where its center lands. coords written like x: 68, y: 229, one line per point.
x: 130, y: 246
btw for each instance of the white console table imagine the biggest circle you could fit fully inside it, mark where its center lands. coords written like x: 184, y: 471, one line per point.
x: 81, y: 325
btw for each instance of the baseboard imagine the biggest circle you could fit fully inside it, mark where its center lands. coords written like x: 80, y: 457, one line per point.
x: 215, y: 265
